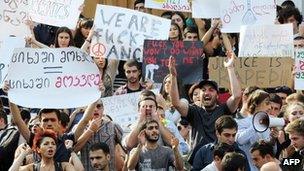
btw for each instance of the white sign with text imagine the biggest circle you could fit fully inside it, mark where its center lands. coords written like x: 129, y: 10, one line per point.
x: 52, y: 78
x: 12, y: 19
x: 235, y: 13
x: 120, y: 32
x: 206, y: 9
x: 169, y: 5
x: 266, y: 41
x: 55, y: 12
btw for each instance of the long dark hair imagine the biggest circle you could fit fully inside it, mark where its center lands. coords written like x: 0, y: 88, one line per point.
x: 180, y: 36
x: 65, y: 30
x: 179, y: 86
x: 79, y: 37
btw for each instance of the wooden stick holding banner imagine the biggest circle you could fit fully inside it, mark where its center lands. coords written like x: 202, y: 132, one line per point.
x: 253, y: 71
x: 53, y: 78
x: 120, y: 32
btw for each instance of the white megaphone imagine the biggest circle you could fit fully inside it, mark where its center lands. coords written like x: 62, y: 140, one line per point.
x: 261, y: 122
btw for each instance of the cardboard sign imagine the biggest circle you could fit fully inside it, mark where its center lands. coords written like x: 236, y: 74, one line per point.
x: 169, y: 5
x: 206, y: 9
x: 266, y: 41
x: 235, y: 13
x: 55, y: 12
x: 187, y: 55
x: 299, y: 63
x: 253, y: 71
x: 12, y: 17
x: 53, y: 78
x: 120, y: 32
x: 123, y: 109
x: 6, y: 51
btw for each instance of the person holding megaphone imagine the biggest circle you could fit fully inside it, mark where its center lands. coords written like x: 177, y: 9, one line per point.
x: 254, y: 125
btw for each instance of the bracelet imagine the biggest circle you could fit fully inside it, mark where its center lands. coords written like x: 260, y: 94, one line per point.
x: 90, y: 130
x: 88, y: 40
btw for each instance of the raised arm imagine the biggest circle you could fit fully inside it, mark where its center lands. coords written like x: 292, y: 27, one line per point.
x: 215, y: 23
x: 88, y: 133
x: 25, y: 150
x: 88, y: 40
x: 84, y: 120
x: 179, y: 164
x: 134, y: 154
x: 235, y: 87
x: 177, y: 103
x: 22, y: 127
x: 74, y: 159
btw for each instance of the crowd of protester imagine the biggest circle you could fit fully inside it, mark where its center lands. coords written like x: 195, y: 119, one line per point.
x: 180, y: 128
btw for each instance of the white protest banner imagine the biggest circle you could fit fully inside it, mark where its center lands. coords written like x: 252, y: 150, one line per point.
x: 120, y: 32
x: 12, y: 17
x: 235, y: 13
x: 55, y: 12
x: 299, y: 63
x: 53, y: 78
x: 266, y: 41
x: 123, y: 109
x: 6, y: 51
x: 170, y: 5
x: 206, y: 9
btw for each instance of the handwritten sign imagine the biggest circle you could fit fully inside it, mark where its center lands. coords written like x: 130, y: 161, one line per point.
x: 12, y: 17
x: 187, y: 55
x: 123, y: 108
x: 266, y: 41
x: 171, y: 5
x: 235, y: 13
x: 6, y: 51
x: 206, y: 9
x: 53, y: 78
x: 121, y: 32
x: 253, y: 71
x: 55, y: 12
x: 299, y: 63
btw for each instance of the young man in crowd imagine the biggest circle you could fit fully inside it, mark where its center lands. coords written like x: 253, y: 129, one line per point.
x: 133, y: 73
x: 149, y: 155
x: 99, y: 155
x: 226, y: 129
x: 262, y: 153
x: 233, y: 162
x: 202, y: 118
x: 295, y: 130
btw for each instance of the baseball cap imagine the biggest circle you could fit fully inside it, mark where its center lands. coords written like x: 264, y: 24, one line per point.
x: 209, y: 82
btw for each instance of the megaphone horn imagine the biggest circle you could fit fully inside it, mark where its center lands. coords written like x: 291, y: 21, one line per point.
x: 261, y: 122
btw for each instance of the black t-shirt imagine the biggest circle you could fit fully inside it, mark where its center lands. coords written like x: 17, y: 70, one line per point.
x: 202, y: 122
x: 62, y: 154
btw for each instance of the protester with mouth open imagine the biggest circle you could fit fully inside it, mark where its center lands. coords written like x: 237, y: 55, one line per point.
x: 202, y: 118
x: 45, y: 145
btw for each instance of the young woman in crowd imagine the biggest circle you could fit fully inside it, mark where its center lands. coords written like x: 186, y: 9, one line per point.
x: 194, y: 94
x: 179, y: 19
x: 45, y: 145
x: 82, y: 31
x: 175, y: 32
x: 171, y: 113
